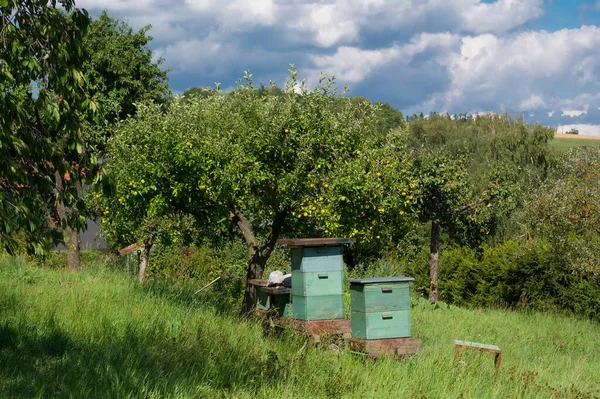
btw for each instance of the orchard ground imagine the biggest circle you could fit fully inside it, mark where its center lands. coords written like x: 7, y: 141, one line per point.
x: 99, y: 333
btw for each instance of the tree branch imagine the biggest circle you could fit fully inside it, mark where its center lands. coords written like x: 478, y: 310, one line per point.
x: 245, y: 227
x: 274, y: 234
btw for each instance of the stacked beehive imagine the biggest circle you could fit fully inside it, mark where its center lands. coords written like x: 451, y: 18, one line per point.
x: 380, y: 307
x: 317, y: 282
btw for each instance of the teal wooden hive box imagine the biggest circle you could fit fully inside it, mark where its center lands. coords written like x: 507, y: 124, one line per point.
x: 380, y: 307
x: 317, y: 277
x: 277, y: 299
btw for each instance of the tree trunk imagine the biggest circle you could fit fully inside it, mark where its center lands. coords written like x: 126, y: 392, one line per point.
x: 256, y: 267
x: 434, y: 252
x: 73, y: 244
x: 144, y: 262
x: 257, y: 256
x: 72, y: 239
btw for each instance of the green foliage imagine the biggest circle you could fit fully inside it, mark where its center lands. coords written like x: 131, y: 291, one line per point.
x: 475, y: 171
x: 566, y: 210
x: 388, y: 118
x: 529, y: 275
x: 120, y: 73
x: 294, y: 164
x: 43, y: 102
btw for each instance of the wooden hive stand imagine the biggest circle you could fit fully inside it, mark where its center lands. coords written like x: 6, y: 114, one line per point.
x: 459, y: 345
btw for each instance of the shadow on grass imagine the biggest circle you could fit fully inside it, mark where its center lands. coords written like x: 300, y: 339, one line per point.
x: 40, y: 359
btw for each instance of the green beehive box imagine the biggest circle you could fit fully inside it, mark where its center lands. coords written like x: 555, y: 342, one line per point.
x: 317, y: 283
x: 280, y: 302
x: 380, y: 307
x: 322, y: 307
x: 317, y: 259
x: 379, y: 325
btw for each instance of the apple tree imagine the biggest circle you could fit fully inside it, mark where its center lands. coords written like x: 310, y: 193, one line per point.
x: 269, y: 165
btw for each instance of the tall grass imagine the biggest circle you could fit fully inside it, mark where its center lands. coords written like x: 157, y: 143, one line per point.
x: 100, y: 334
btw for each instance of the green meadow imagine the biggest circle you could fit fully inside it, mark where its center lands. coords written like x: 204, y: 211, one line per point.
x: 563, y: 143
x: 100, y: 334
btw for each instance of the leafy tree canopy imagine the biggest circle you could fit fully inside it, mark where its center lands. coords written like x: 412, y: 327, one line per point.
x: 297, y: 164
x: 43, y: 102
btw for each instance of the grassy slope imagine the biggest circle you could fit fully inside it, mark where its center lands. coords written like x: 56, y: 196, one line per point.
x: 99, y: 334
x: 564, y: 142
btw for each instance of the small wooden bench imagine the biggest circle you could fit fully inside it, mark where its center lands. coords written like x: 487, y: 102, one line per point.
x: 458, y: 345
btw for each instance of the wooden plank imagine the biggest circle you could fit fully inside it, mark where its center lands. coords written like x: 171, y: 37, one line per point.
x: 258, y: 282
x: 314, y: 329
x: 310, y: 242
x: 279, y: 290
x: 478, y: 346
x: 381, y: 280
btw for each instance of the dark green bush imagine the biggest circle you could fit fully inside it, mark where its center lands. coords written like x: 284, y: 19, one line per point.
x: 529, y: 275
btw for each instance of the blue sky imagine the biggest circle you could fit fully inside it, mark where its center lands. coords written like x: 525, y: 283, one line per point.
x: 537, y: 58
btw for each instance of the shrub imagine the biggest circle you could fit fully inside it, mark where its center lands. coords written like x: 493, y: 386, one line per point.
x: 522, y: 275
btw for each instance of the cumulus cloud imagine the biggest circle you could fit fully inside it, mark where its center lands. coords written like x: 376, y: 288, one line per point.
x: 500, y: 15
x: 509, y: 69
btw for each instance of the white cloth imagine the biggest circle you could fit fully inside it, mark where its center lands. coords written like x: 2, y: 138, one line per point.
x: 276, y: 278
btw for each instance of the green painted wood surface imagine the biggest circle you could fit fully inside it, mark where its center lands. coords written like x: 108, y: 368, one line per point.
x: 322, y: 307
x: 380, y: 325
x: 282, y: 303
x: 379, y: 297
x: 317, y: 283
x: 317, y: 259
x: 264, y: 300
x: 491, y: 348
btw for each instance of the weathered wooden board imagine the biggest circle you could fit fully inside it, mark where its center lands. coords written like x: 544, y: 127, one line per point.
x: 315, y: 329
x: 458, y: 345
x: 311, y: 242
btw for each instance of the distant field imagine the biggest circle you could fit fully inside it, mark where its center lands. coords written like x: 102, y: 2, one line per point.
x: 566, y: 141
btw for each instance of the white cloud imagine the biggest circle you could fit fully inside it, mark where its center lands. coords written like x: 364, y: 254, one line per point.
x: 114, y: 5
x: 533, y: 102
x: 500, y: 15
x: 351, y: 64
x: 508, y: 69
x: 341, y: 21
x: 234, y: 15
x: 575, y: 112
x: 434, y: 55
